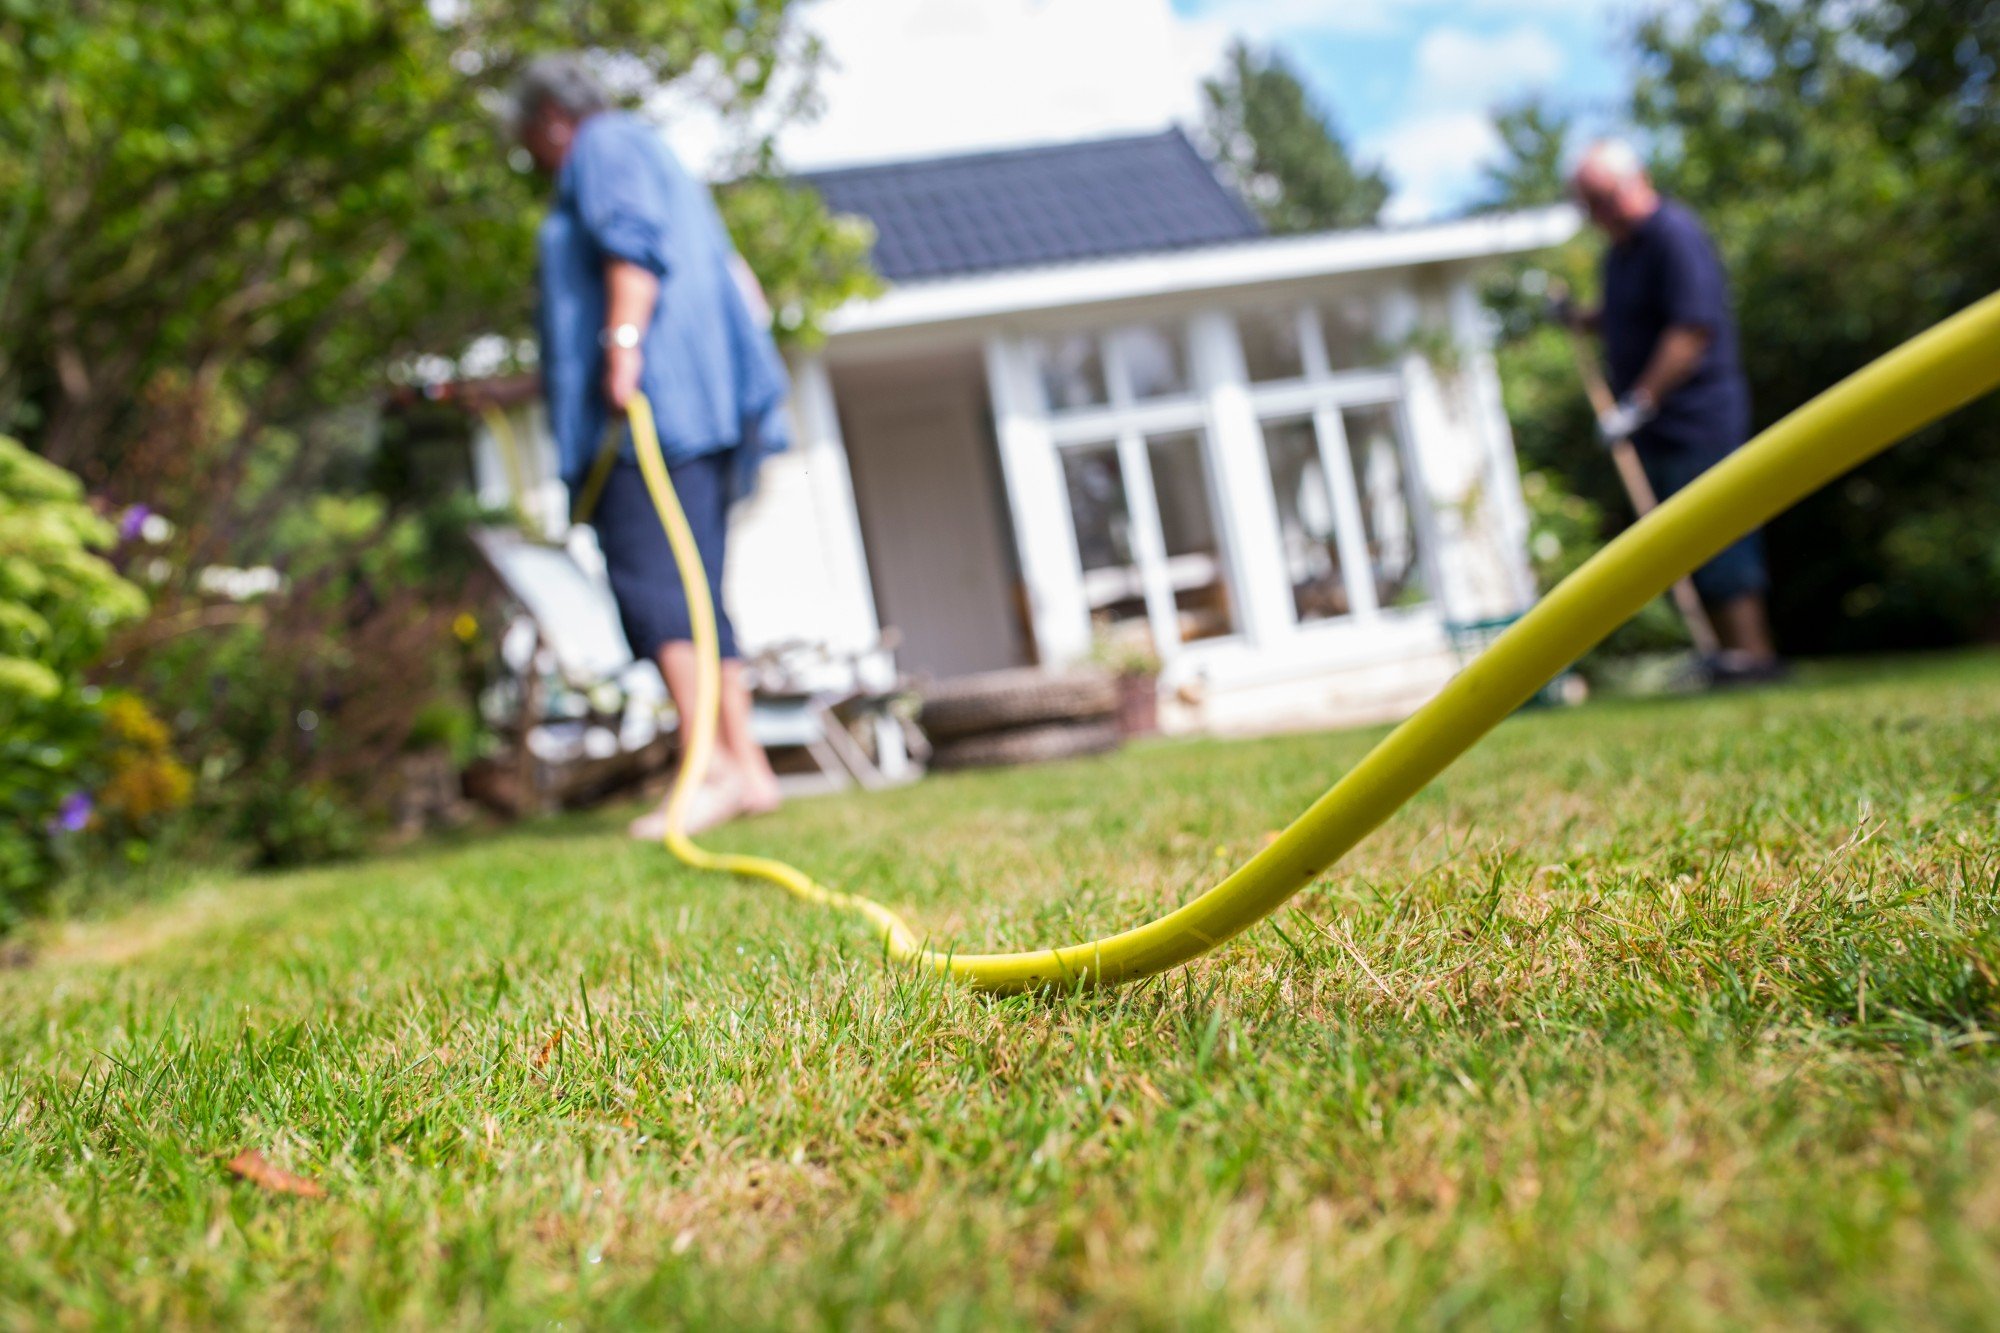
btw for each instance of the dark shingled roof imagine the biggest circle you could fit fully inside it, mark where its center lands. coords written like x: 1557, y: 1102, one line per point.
x: 947, y: 216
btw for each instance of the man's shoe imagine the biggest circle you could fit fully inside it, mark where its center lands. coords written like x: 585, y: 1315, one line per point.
x: 1733, y: 670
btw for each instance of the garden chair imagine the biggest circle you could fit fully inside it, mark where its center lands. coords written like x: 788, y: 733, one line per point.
x: 569, y: 635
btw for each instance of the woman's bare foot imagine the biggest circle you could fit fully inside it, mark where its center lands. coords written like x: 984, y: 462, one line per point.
x: 761, y: 796
x: 710, y: 805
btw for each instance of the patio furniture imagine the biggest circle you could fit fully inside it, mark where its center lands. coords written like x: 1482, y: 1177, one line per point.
x: 585, y: 716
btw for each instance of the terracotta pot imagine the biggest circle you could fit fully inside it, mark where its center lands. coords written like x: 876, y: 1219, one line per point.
x: 1138, y: 704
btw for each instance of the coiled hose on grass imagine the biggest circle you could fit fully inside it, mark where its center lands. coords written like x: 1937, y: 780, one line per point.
x: 1927, y: 377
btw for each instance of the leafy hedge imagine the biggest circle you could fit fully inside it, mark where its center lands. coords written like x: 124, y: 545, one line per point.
x: 59, y: 601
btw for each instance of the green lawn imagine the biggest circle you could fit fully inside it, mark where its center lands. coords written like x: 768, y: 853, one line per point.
x: 1667, y: 1014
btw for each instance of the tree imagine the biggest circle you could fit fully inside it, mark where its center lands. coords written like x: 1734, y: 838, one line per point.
x: 1847, y: 161
x: 225, y: 225
x: 291, y: 199
x: 1283, y: 152
x: 1534, y: 137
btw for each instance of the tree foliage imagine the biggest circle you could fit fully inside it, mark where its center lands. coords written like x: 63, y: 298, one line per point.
x: 225, y: 227
x: 1534, y: 136
x: 1284, y: 152
x: 295, y: 196
x: 1847, y: 160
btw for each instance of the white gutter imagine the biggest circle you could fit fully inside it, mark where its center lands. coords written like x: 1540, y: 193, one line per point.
x: 1238, y: 264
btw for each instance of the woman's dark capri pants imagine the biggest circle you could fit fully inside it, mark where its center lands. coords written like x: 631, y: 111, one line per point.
x: 644, y: 578
x: 1737, y: 569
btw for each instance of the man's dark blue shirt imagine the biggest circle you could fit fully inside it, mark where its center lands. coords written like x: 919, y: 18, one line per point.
x: 1666, y: 274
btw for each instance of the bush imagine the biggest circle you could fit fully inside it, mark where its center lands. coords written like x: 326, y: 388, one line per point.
x: 59, y: 739
x: 1564, y: 530
x: 301, y: 637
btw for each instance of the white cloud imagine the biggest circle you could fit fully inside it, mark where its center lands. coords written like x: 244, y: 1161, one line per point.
x: 1432, y: 160
x: 1267, y: 20
x: 1568, y: 9
x: 910, y: 77
x: 907, y: 78
x: 1459, y: 68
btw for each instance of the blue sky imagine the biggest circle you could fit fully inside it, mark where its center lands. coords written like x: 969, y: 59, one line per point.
x: 1411, y: 81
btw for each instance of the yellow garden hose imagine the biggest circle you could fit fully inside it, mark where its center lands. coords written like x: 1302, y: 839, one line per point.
x: 1919, y: 382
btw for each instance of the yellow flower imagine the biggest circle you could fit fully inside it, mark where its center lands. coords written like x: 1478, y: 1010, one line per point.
x: 142, y: 786
x: 131, y: 723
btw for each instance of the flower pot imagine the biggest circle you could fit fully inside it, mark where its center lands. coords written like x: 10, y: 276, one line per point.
x: 1138, y: 703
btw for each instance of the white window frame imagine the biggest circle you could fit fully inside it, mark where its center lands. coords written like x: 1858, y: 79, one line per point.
x: 1322, y: 396
x: 1127, y: 423
x: 1227, y: 410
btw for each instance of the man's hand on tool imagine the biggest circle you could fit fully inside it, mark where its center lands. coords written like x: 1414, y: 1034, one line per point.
x: 1624, y: 419
x: 1560, y: 308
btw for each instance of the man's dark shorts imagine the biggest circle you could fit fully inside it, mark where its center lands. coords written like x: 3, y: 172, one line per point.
x: 1738, y: 569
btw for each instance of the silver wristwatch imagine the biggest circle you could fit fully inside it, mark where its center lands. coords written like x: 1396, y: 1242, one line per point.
x: 620, y: 335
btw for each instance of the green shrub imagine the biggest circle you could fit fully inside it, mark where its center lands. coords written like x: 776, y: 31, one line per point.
x: 59, y: 601
x: 1564, y: 531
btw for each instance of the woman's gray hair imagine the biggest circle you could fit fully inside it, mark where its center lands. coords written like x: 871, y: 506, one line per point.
x: 565, y: 82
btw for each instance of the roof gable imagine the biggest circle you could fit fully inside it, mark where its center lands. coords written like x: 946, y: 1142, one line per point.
x: 984, y: 212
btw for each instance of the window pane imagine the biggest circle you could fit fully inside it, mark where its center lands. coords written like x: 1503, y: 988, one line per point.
x: 1072, y: 371
x: 1103, y: 520
x: 1187, y: 528
x: 1348, y: 325
x: 1156, y: 360
x: 1271, y: 344
x: 1374, y: 443
x: 1305, y: 519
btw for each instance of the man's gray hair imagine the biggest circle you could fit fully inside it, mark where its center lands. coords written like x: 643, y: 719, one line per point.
x: 565, y: 82
x: 1614, y: 157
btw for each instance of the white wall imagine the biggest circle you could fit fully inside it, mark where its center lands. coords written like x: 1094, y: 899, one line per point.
x: 1460, y: 434
x: 796, y: 570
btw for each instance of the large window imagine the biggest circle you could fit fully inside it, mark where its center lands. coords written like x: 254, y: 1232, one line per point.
x: 1348, y: 524
x: 1381, y: 486
x: 1144, y: 517
x: 1200, y: 594
x: 1102, y: 516
x: 1131, y: 411
x: 1139, y: 478
x: 1346, y: 520
x: 1306, y: 522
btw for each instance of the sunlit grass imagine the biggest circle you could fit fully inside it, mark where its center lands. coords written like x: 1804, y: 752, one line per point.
x: 1677, y: 1013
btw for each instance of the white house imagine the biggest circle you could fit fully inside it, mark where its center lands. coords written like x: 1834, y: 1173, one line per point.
x: 1098, y: 407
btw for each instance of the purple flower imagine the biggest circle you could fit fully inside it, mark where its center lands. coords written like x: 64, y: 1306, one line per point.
x: 133, y: 521
x: 73, y: 815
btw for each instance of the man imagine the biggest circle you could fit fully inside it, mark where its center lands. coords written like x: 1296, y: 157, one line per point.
x: 639, y: 293
x: 1670, y: 355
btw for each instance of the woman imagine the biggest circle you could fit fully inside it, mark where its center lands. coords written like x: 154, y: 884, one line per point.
x: 639, y: 294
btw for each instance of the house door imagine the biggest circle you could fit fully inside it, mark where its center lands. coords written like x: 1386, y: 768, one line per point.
x: 927, y: 485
